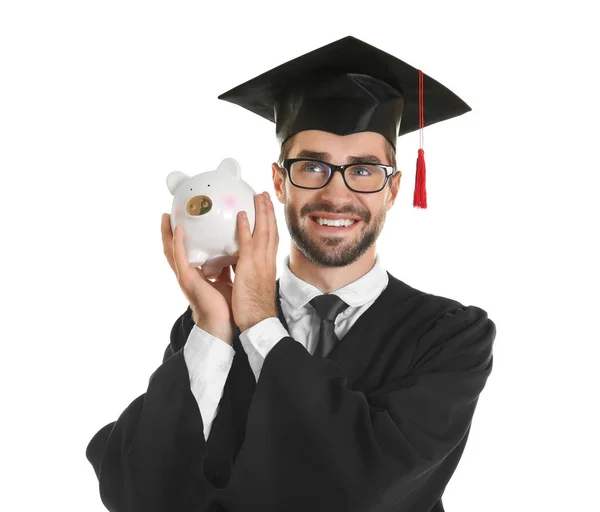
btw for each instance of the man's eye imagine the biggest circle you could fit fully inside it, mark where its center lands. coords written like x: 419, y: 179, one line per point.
x: 361, y: 171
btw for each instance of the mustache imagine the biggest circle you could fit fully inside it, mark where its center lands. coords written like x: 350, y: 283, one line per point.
x: 349, y: 210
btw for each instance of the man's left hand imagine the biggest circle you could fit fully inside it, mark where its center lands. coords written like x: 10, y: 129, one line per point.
x: 254, y: 288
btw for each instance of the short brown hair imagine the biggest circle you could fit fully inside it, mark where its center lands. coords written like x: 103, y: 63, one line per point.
x: 390, y: 153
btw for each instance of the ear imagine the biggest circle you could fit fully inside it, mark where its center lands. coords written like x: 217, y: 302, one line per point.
x: 394, y: 188
x: 174, y: 179
x: 231, y: 167
x: 278, y: 182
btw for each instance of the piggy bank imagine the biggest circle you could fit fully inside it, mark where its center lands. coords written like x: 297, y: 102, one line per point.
x: 206, y: 206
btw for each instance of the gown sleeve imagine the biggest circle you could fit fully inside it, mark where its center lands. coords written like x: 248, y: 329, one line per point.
x: 150, y: 459
x: 179, y: 333
x: 314, y: 441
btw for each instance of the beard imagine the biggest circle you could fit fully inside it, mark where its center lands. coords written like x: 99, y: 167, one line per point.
x: 332, y: 251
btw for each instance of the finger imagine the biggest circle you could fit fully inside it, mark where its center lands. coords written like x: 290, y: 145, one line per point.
x: 175, y: 249
x: 167, y: 239
x: 273, y: 232
x: 187, y: 276
x: 261, y: 229
x: 244, y: 234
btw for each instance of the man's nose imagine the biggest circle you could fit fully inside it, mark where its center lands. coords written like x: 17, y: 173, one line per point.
x: 336, y: 190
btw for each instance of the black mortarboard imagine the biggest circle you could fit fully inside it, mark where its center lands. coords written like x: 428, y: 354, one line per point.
x: 349, y: 86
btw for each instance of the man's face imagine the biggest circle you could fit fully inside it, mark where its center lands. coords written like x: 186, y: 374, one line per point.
x: 335, y: 246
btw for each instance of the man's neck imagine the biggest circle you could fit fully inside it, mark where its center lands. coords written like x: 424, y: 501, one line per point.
x: 330, y: 279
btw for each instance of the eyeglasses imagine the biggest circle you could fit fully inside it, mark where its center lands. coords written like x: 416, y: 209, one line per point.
x: 313, y: 174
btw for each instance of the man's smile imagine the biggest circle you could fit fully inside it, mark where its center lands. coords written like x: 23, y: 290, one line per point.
x: 346, y: 225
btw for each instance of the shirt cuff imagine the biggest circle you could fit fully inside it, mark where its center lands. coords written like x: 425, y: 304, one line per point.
x: 208, y: 360
x: 259, y: 339
x: 206, y: 355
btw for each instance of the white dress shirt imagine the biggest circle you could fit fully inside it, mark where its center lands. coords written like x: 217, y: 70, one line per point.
x: 209, y: 358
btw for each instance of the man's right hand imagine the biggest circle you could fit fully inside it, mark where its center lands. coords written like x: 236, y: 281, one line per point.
x: 210, y: 301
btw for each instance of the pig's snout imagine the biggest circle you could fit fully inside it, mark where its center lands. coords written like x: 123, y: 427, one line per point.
x: 198, y: 205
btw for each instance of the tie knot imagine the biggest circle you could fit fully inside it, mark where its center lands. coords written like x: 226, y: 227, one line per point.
x: 328, y: 306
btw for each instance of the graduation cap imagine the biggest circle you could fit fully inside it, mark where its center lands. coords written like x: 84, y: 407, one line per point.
x: 349, y: 86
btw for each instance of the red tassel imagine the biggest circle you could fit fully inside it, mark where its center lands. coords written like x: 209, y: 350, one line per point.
x: 420, y: 195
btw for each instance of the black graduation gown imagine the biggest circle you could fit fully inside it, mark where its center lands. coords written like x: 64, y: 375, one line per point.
x: 378, y: 425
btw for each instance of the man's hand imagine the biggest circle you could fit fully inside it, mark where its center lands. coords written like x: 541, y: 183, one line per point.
x: 254, y: 288
x: 210, y: 301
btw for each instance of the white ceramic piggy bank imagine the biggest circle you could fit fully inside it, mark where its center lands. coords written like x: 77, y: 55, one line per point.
x: 206, y: 205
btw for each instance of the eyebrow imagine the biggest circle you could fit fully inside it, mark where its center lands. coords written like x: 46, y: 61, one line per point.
x: 365, y: 158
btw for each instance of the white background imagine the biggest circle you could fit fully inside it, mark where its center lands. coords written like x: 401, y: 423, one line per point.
x: 99, y: 101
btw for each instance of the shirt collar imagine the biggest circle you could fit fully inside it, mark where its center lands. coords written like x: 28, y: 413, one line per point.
x: 298, y: 292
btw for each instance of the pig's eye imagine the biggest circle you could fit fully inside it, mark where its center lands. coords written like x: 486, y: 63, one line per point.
x: 198, y: 205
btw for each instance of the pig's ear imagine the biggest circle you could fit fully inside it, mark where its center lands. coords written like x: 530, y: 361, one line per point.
x: 174, y: 179
x: 231, y: 167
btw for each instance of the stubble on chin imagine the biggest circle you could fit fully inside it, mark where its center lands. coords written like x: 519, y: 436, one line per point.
x: 332, y: 251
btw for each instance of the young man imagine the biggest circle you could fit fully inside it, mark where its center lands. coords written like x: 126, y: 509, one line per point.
x: 336, y: 387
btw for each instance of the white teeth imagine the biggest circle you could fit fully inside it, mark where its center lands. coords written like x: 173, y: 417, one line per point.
x: 338, y: 222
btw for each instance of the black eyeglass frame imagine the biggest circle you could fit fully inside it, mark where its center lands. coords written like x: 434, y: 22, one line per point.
x: 341, y: 168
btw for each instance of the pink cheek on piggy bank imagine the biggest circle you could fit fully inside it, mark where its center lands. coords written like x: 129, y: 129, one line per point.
x: 178, y: 214
x: 229, y: 202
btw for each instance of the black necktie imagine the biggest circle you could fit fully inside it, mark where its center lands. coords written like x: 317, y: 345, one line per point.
x: 328, y: 308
